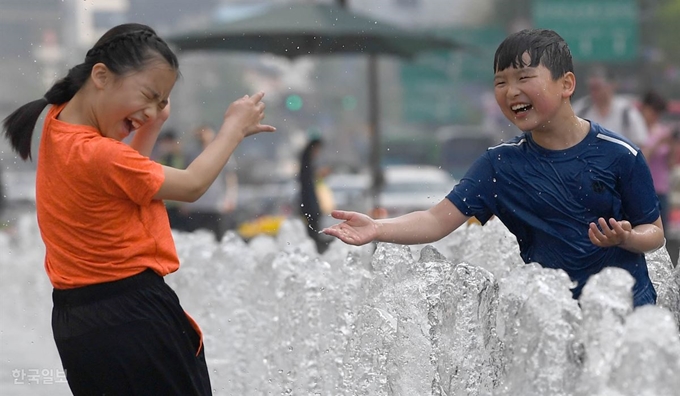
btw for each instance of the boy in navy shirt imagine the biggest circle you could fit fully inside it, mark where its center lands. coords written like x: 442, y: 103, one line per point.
x: 577, y: 196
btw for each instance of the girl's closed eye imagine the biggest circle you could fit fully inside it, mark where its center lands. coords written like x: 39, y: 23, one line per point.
x: 150, y: 96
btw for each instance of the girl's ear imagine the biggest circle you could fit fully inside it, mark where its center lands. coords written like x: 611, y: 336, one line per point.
x: 101, y: 75
x: 568, y: 84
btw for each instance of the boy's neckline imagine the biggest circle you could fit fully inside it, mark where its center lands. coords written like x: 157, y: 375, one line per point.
x: 558, y: 145
x: 549, y: 151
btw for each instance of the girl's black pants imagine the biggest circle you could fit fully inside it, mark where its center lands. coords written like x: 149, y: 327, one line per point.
x: 128, y: 337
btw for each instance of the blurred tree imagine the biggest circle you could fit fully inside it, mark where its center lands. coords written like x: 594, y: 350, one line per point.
x: 660, y: 46
x: 668, y: 16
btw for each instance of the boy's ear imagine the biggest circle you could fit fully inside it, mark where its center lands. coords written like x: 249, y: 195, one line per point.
x: 101, y: 75
x: 568, y: 84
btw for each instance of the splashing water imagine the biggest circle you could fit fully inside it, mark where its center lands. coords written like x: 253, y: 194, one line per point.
x: 463, y: 316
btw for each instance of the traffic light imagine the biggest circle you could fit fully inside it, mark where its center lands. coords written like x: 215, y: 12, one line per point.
x: 294, y: 102
x: 349, y: 102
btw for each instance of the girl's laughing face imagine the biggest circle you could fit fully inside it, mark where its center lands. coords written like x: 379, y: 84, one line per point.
x: 129, y: 101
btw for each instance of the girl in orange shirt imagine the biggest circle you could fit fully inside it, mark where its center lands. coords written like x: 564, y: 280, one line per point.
x: 118, y: 327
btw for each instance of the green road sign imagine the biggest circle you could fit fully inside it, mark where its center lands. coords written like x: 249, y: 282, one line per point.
x: 434, y: 82
x: 596, y: 30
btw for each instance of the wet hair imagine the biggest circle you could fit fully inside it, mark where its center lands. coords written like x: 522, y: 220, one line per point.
x: 655, y: 101
x: 123, y: 49
x: 544, y: 46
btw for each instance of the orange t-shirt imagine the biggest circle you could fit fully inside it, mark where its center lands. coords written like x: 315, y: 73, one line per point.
x: 95, y: 209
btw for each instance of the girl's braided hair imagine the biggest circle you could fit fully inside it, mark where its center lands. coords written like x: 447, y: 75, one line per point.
x: 122, y: 49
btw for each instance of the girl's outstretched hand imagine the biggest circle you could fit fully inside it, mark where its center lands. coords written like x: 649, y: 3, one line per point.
x: 246, y: 113
x: 356, y: 229
x: 607, y: 235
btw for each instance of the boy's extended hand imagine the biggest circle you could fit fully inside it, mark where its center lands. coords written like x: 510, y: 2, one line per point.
x: 606, y: 236
x: 357, y: 229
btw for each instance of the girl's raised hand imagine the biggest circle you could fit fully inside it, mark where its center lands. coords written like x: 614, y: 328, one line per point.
x: 145, y: 137
x: 246, y: 113
x: 356, y: 229
x: 155, y: 125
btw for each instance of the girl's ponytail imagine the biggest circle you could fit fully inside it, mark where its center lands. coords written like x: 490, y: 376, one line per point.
x: 20, y: 124
x: 122, y: 49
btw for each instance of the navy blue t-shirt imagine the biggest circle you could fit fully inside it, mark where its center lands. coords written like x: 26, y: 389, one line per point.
x: 547, y: 199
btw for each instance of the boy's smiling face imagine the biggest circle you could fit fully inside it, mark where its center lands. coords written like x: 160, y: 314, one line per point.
x: 529, y: 96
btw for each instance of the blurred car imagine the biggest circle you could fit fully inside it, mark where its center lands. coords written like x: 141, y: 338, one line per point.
x: 267, y: 225
x: 351, y: 191
x: 461, y: 145
x: 18, y: 187
x: 413, y: 187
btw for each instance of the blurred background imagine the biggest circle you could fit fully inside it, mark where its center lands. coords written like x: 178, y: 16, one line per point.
x: 437, y: 111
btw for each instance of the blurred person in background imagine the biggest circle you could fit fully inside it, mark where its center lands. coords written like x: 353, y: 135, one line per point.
x: 674, y: 190
x: 323, y: 192
x: 213, y: 211
x: 658, y: 149
x: 310, y: 207
x: 610, y: 110
x: 3, y: 200
x: 169, y: 152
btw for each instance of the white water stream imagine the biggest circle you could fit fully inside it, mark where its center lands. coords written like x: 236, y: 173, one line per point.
x: 464, y: 316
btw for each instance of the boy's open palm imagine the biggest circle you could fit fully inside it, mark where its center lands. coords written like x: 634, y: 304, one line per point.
x: 607, y: 235
x: 356, y: 229
x: 247, y: 113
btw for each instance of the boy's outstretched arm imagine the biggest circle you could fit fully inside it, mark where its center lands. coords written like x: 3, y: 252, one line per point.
x: 410, y: 229
x: 639, y: 239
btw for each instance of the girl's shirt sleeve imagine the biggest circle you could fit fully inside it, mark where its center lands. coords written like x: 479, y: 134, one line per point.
x: 124, y: 173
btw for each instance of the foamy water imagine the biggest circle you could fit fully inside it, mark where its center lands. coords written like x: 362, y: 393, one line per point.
x: 464, y: 316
